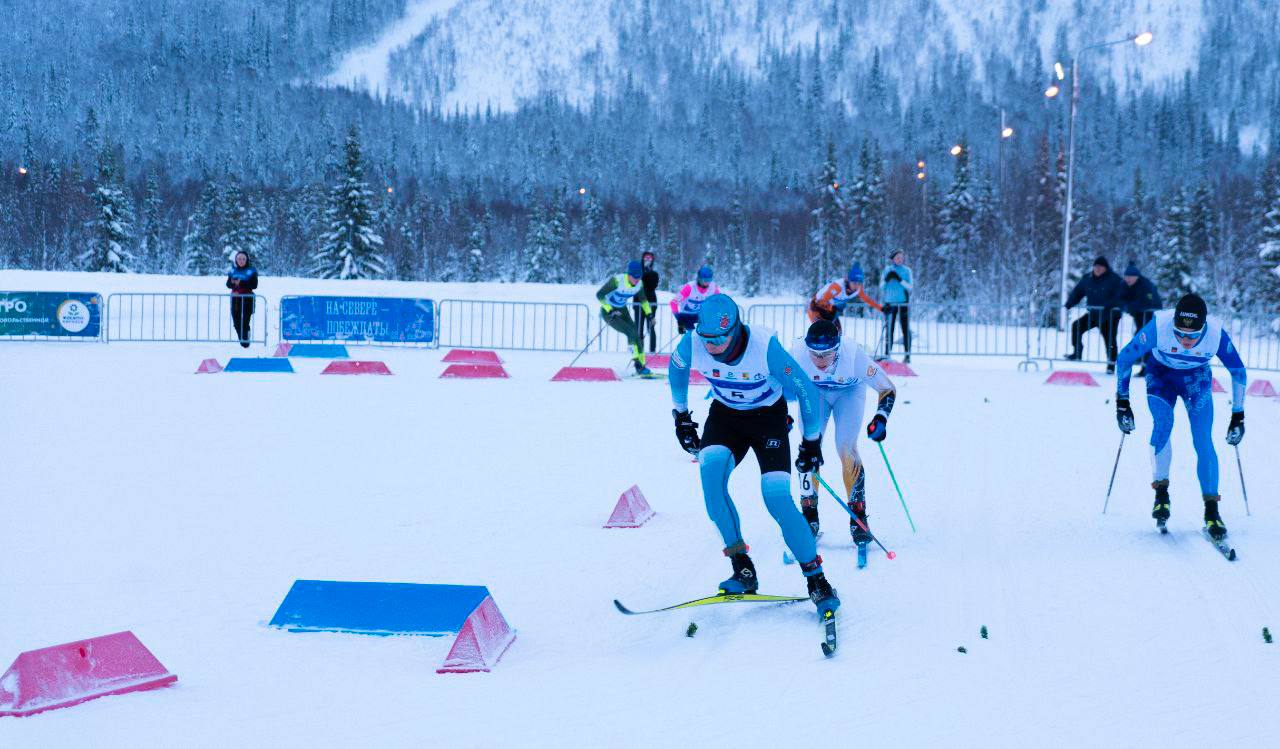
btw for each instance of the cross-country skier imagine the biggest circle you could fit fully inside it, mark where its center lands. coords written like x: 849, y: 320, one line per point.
x: 748, y: 369
x: 614, y: 296
x: 1182, y: 342
x: 829, y: 302
x: 842, y: 371
x: 689, y: 299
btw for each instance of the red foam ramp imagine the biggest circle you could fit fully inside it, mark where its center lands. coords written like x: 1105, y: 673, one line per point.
x: 471, y: 356
x: 484, y: 637
x: 348, y: 367
x: 1217, y: 386
x: 586, y: 374
x: 66, y: 675
x: 209, y: 366
x: 1261, y: 388
x: 653, y: 361
x: 283, y: 349
x: 475, y: 372
x: 897, y: 368
x: 696, y: 378
x: 631, y: 511
x: 1079, y: 379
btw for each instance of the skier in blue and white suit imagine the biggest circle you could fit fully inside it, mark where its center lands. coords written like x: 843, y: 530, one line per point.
x: 1182, y: 341
x: 748, y: 369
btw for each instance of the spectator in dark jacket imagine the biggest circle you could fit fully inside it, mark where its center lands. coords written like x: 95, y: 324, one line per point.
x: 650, y: 295
x: 1101, y: 290
x: 1141, y: 301
x: 243, y: 281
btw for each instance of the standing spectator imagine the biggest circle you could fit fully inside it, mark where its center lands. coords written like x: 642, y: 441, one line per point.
x: 896, y: 285
x: 689, y: 299
x: 1141, y: 301
x: 1101, y: 290
x: 243, y: 282
x: 650, y: 294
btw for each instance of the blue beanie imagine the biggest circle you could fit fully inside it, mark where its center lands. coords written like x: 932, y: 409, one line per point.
x: 855, y: 273
x: 1132, y: 270
x: 705, y: 274
x: 635, y: 269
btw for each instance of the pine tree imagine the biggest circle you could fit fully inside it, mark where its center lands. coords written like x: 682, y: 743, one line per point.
x: 112, y: 222
x: 827, y: 235
x: 542, y: 245
x: 957, y: 230
x: 867, y: 205
x: 1173, y: 258
x: 1045, y: 237
x: 477, y: 242
x: 1269, y: 238
x: 243, y: 228
x: 350, y: 248
x: 200, y: 256
x: 150, y: 246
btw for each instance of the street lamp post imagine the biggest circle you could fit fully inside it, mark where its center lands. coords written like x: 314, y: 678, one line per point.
x: 1142, y: 40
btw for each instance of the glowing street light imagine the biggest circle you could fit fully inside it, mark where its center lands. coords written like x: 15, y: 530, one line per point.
x: 1143, y: 39
x: 582, y: 191
x: 920, y: 165
x: 1058, y: 71
x: 1052, y: 91
x: 919, y: 175
x: 956, y: 150
x: 22, y: 170
x: 1006, y: 133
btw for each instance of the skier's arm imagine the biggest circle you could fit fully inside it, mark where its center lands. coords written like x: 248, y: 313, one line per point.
x: 873, y: 304
x: 678, y: 302
x: 1230, y: 359
x: 786, y: 371
x: 605, y: 291
x: 1144, y: 341
x: 678, y: 372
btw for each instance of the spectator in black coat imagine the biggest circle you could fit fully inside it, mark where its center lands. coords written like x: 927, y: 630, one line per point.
x: 650, y: 294
x: 243, y: 282
x: 1101, y: 290
x: 1141, y: 301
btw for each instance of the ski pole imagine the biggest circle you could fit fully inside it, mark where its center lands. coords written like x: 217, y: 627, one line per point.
x: 668, y: 343
x: 895, y: 486
x: 856, y: 519
x: 1113, y: 472
x: 1243, y: 490
x: 584, y: 348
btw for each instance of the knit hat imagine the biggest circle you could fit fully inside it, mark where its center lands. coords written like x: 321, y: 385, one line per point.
x: 1132, y: 269
x: 635, y: 269
x: 855, y: 273
x: 1101, y: 260
x: 1191, y: 312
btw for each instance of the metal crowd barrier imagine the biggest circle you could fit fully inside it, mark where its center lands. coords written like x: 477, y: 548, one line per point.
x: 519, y: 326
x: 179, y: 317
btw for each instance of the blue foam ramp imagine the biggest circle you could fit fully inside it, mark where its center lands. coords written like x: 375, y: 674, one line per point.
x: 319, y: 350
x: 377, y: 608
x: 264, y: 364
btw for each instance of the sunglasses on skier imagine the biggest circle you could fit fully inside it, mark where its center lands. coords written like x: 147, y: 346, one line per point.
x: 1189, y: 335
x: 716, y: 340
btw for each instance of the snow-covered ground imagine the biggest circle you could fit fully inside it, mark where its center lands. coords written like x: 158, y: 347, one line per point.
x: 140, y: 496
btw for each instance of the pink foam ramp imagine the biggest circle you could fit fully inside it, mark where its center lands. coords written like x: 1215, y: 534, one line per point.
x: 631, y: 511
x: 349, y: 367
x: 696, y: 378
x: 586, y: 374
x: 1262, y: 389
x: 474, y: 372
x: 897, y: 368
x: 471, y: 356
x: 656, y: 361
x: 209, y: 366
x: 1072, y: 379
x: 484, y: 637
x: 66, y: 675
x: 283, y: 349
x: 1217, y: 386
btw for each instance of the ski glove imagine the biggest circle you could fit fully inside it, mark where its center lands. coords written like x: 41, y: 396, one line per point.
x: 893, y: 277
x: 1124, y: 415
x: 687, y: 432
x: 810, y: 457
x: 877, y: 430
x: 1235, y: 430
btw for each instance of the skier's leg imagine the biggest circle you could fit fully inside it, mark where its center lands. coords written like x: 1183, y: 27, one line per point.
x: 808, y: 484
x: 772, y: 447
x: 625, y: 325
x: 906, y: 331
x: 1161, y: 396
x: 715, y: 463
x: 1197, y: 395
x: 848, y: 418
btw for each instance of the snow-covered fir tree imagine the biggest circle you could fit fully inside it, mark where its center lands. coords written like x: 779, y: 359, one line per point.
x: 1269, y: 240
x: 243, y: 227
x: 867, y: 207
x: 1174, y: 256
x: 477, y: 240
x: 200, y: 246
x: 543, y: 263
x: 112, y: 223
x: 350, y: 247
x: 957, y: 231
x: 828, y: 235
x: 150, y: 245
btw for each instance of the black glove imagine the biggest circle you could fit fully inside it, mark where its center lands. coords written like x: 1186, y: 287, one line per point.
x: 687, y: 432
x: 877, y: 430
x: 892, y: 277
x: 810, y: 457
x: 1124, y: 415
x: 679, y: 328
x: 1235, y: 431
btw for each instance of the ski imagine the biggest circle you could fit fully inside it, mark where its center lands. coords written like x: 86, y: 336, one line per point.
x: 718, y: 598
x: 1163, y: 526
x: 862, y: 555
x: 650, y: 376
x: 1222, y: 546
x: 829, y: 642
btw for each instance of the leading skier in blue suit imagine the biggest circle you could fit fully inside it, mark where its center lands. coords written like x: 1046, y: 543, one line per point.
x: 1182, y: 342
x: 748, y: 369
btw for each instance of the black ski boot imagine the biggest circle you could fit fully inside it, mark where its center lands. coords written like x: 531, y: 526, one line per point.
x: 822, y: 594
x: 1212, y: 521
x: 1161, y: 510
x: 1073, y: 356
x: 809, y: 508
x: 860, y: 536
x: 744, y: 576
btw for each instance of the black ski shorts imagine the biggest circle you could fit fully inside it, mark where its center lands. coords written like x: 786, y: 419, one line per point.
x: 761, y: 430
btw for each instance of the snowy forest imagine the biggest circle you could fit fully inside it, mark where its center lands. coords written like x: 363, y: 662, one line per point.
x: 164, y: 136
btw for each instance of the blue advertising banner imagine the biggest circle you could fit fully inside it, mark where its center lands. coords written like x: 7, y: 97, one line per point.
x: 51, y: 314
x: 374, y: 319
